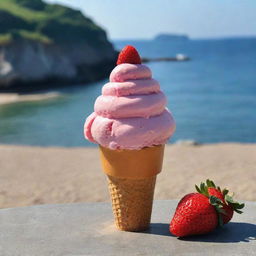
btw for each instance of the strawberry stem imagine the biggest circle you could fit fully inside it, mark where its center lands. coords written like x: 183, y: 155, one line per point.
x: 234, y: 204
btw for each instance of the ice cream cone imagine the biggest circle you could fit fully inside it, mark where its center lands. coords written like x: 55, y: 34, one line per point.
x: 132, y: 176
x: 129, y: 119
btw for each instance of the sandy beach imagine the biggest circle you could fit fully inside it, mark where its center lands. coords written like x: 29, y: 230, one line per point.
x: 37, y: 175
x: 10, y: 98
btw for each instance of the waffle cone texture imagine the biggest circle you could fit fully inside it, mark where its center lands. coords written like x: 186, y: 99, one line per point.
x: 131, y: 177
x: 132, y: 202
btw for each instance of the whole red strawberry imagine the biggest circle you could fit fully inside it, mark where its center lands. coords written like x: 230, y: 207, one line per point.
x: 194, y: 215
x: 227, y: 204
x: 200, y: 213
x: 128, y: 55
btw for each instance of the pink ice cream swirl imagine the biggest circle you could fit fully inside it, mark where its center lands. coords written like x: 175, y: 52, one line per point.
x: 131, y: 113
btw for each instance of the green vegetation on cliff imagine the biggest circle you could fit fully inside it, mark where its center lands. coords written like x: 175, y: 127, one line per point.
x: 47, y: 23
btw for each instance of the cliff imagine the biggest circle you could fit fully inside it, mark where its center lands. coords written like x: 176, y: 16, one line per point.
x: 45, y: 45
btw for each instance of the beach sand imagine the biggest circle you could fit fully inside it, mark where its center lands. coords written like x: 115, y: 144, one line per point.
x: 10, y: 98
x: 36, y: 175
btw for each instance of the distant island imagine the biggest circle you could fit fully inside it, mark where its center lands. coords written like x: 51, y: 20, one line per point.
x: 171, y: 37
x: 44, y: 45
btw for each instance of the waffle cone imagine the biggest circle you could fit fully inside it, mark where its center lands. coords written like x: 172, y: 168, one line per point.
x: 132, y: 202
x: 131, y: 177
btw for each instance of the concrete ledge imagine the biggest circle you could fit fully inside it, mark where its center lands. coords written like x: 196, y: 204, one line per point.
x: 87, y: 229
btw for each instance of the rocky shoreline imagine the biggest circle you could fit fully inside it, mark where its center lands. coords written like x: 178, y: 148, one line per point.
x: 27, y: 66
x: 44, y: 46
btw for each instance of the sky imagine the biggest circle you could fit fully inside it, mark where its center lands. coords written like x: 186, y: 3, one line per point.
x: 143, y: 19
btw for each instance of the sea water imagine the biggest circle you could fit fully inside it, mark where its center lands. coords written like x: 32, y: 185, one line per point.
x: 212, y: 97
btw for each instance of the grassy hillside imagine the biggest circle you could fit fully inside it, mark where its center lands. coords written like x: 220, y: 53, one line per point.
x: 47, y: 23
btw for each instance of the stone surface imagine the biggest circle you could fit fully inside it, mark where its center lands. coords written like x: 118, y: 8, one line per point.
x: 87, y: 229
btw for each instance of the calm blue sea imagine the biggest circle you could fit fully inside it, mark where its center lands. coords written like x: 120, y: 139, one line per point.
x: 212, y: 97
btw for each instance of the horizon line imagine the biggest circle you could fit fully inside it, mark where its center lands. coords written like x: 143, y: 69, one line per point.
x: 189, y: 38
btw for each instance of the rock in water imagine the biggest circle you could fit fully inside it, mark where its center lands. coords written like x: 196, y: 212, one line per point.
x: 45, y: 45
